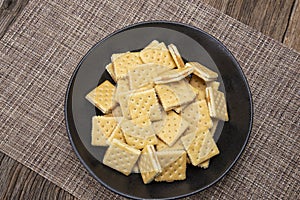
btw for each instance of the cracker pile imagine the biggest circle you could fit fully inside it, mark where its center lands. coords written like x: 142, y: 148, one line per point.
x: 159, y: 116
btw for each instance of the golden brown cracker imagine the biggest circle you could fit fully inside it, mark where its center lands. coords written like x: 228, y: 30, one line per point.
x: 138, y: 132
x: 140, y: 142
x: 115, y: 154
x: 102, y: 97
x: 203, y: 147
x: 176, y: 55
x: 144, y: 104
x: 216, y: 104
x: 121, y: 87
x: 173, y: 128
x: 197, y: 115
x: 117, y: 55
x: 168, y: 157
x: 117, y: 133
x: 175, y: 94
x: 200, y: 85
x: 173, y: 75
x: 152, y: 44
x: 203, y: 72
x: 148, y: 164
x: 126, y: 62
x: 161, y: 146
x: 123, y: 101
x: 117, y: 111
x: 215, y: 123
x: 175, y: 171
x: 204, y: 164
x: 102, y: 128
x: 110, y: 69
x: 144, y: 74
x: 214, y: 84
x: 157, y: 56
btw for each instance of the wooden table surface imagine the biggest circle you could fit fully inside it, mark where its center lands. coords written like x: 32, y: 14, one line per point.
x: 279, y: 19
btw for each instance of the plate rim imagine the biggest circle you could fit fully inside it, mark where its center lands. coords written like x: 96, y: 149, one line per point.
x: 131, y: 26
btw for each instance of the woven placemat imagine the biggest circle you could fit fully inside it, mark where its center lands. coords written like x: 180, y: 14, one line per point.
x: 42, y: 48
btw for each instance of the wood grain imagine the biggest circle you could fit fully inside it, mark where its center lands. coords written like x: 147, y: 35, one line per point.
x: 19, y: 182
x: 279, y: 19
x: 291, y: 38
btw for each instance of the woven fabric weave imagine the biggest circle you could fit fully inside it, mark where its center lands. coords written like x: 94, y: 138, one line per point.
x: 42, y: 48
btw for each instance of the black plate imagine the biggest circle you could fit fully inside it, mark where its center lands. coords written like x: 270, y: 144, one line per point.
x: 194, y: 45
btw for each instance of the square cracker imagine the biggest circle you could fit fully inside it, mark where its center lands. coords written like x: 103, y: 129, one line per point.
x: 203, y: 72
x: 166, y: 158
x: 200, y: 85
x: 117, y: 133
x: 197, y: 115
x: 102, y: 128
x: 153, y: 43
x: 216, y: 104
x: 121, y: 87
x: 187, y: 140
x: 175, y: 94
x: 110, y: 69
x: 173, y: 75
x: 214, y: 84
x: 215, y: 123
x: 121, y: 157
x: 157, y: 56
x: 204, y: 164
x: 173, y: 127
x: 174, y: 171
x: 161, y: 46
x: 144, y: 104
x: 202, y: 147
x: 138, y: 132
x: 102, y: 97
x: 148, y: 164
x: 176, y: 55
x: 156, y: 45
x: 182, y: 107
x: 138, y: 126
x: 125, y: 62
x: 117, y: 55
x: 117, y: 111
x: 144, y: 74
x: 159, y: 125
x: 135, y: 168
x: 139, y: 142
x: 124, y: 100
x: 161, y: 146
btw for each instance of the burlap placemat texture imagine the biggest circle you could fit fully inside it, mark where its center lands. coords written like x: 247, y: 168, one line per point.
x: 42, y: 48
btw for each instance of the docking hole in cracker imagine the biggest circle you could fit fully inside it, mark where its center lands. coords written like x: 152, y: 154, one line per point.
x: 160, y: 116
